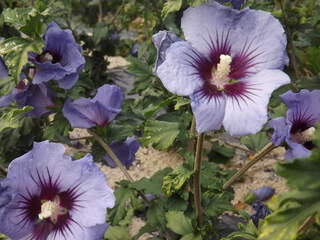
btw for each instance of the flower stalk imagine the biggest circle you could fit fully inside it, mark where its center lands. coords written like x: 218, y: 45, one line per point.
x: 258, y: 156
x: 109, y: 151
x: 196, y: 180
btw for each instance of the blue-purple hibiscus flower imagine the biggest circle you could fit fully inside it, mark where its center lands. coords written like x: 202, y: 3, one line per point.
x: 125, y: 151
x: 38, y: 96
x: 103, y: 108
x: 229, y: 65
x: 27, y: 94
x: 297, y: 128
x: 54, y: 197
x: 61, y: 59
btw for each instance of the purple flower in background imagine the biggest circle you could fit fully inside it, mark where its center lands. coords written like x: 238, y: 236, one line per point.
x: 55, y: 197
x: 27, y: 94
x: 263, y: 193
x: 125, y: 151
x: 61, y: 59
x: 3, y: 69
x: 261, y: 211
x: 235, y: 3
x: 103, y: 108
x: 297, y: 128
x: 229, y: 65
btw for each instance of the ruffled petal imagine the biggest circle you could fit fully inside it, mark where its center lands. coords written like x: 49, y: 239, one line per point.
x: 208, y: 113
x: 109, y: 96
x: 68, y: 81
x: 75, y: 117
x: 295, y: 150
x: 96, y: 195
x: 162, y: 41
x: 247, y: 113
x: 178, y: 71
x: 247, y: 31
x: 280, y: 130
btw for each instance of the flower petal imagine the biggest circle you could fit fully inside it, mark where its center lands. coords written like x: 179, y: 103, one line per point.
x: 295, y: 150
x: 110, y: 96
x: 178, y: 71
x: 246, y: 114
x: 253, y: 31
x: 208, y: 113
x: 73, y: 112
x: 280, y: 130
x: 303, y: 105
x: 96, y: 196
x: 162, y: 41
x: 124, y: 151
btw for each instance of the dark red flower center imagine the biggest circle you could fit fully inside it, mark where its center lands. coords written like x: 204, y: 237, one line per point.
x: 302, y: 130
x: 49, y: 210
x: 222, y: 71
x: 49, y: 57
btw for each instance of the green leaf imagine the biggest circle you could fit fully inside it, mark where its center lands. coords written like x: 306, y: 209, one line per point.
x: 16, y: 51
x: 123, y: 195
x: 17, y: 17
x: 179, y: 223
x: 220, y: 153
x: 171, y: 6
x: 191, y: 236
x: 181, y: 101
x: 117, y: 233
x: 12, y: 119
x: 194, y: 3
x: 161, y: 134
x: 153, y: 184
x: 175, y: 180
x: 255, y: 142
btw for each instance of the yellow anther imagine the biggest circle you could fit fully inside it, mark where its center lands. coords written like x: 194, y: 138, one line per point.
x: 220, y: 75
x: 51, y: 209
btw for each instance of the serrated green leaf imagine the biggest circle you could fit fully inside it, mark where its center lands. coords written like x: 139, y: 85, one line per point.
x: 16, y: 51
x: 175, y: 180
x: 171, y: 6
x: 122, y: 195
x: 153, y: 184
x: 179, y: 223
x: 160, y: 134
x: 255, y: 142
x: 17, y: 17
x: 117, y: 233
x: 12, y: 119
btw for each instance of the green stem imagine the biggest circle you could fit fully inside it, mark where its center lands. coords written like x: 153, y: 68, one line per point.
x: 306, y: 224
x: 111, y: 154
x: 3, y: 170
x: 258, y: 156
x: 196, y: 180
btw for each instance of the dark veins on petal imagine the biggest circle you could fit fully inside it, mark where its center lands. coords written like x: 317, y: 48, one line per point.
x: 240, y: 67
x: 30, y: 206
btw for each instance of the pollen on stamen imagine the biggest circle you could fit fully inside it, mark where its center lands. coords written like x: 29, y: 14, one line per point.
x: 220, y: 75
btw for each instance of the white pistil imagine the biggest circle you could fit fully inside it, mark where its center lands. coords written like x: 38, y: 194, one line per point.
x: 51, y: 209
x: 220, y: 75
x: 305, y: 136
